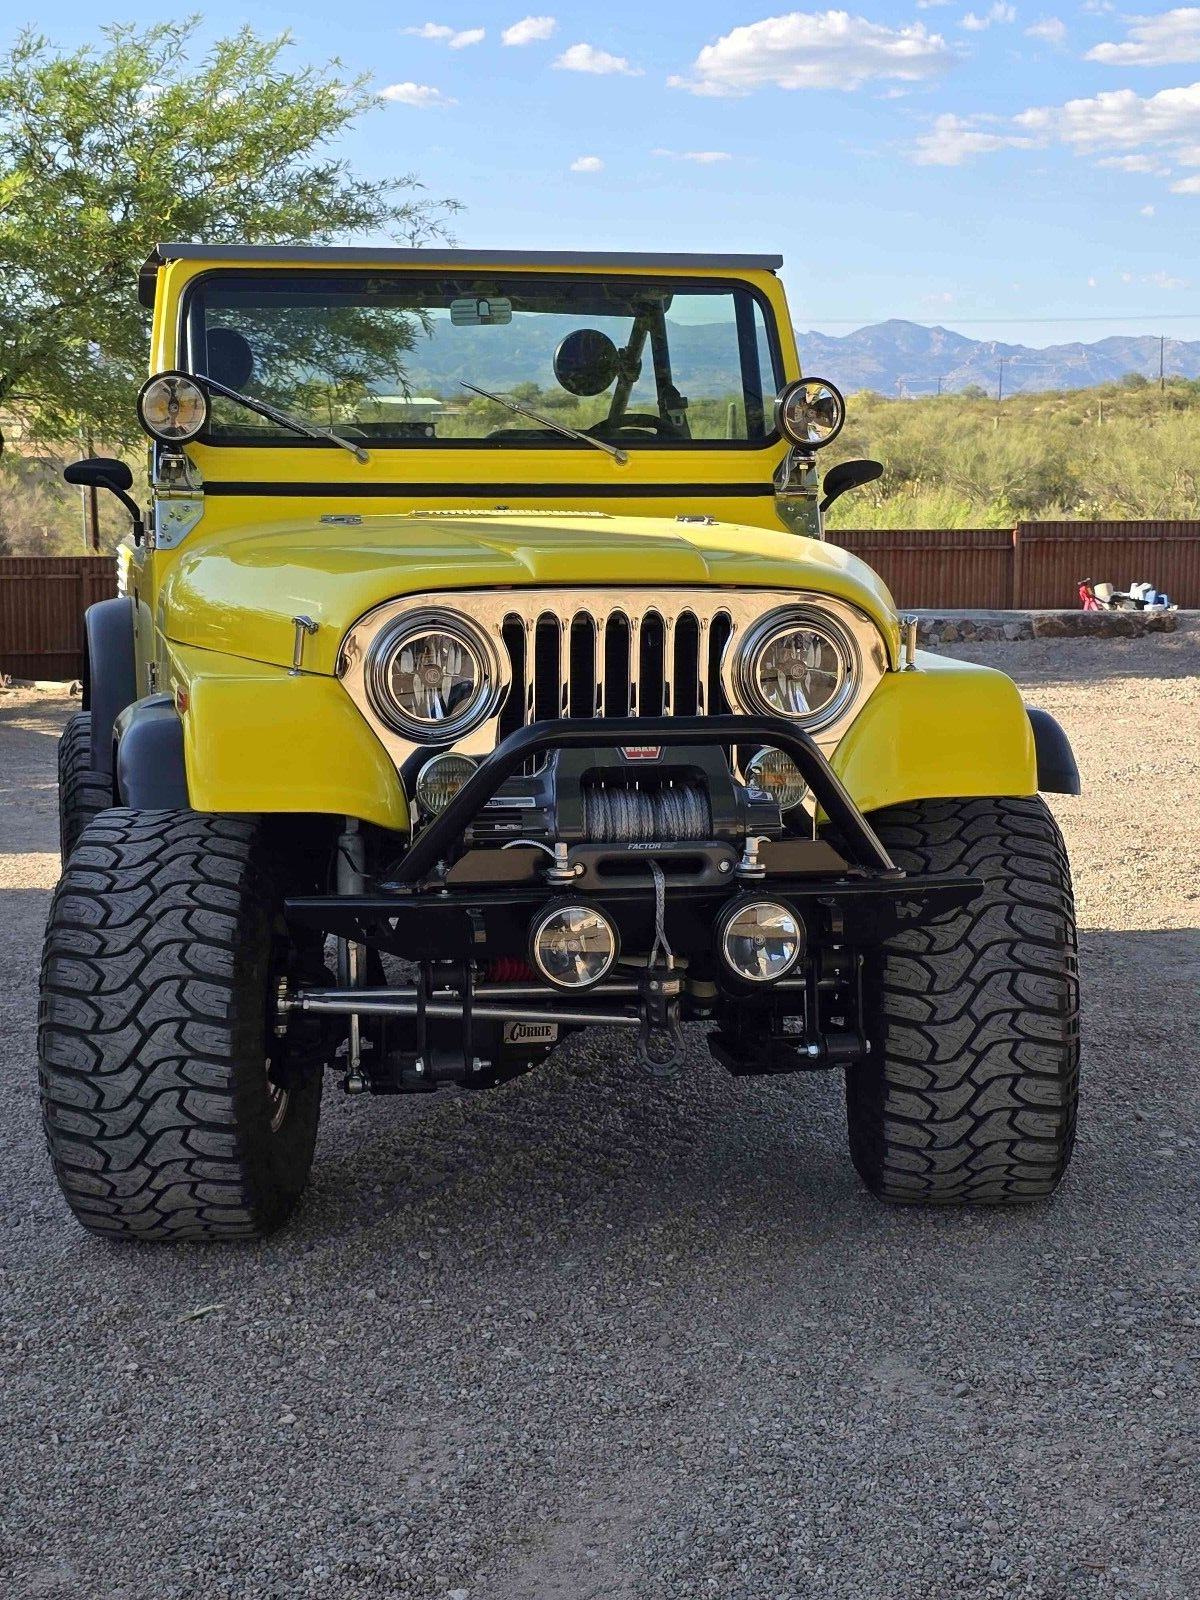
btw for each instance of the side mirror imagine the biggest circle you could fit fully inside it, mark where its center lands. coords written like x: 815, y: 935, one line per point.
x: 848, y: 475
x: 105, y: 472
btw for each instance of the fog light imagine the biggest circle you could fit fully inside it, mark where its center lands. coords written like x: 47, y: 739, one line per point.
x: 777, y: 775
x: 761, y: 940
x: 573, y: 946
x: 440, y: 779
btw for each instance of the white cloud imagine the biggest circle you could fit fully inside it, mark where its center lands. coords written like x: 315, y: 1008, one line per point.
x: 1051, y: 30
x: 587, y: 58
x: 703, y: 157
x: 814, y: 50
x: 930, y: 5
x: 587, y: 164
x: 421, y: 95
x: 1161, y: 41
x: 1092, y: 284
x: 953, y: 140
x: 1186, y: 186
x: 996, y: 13
x: 1141, y: 133
x: 1146, y: 211
x: 1164, y: 280
x: 457, y: 39
x: 529, y: 30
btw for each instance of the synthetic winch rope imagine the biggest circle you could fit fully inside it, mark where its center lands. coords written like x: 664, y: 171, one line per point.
x: 625, y: 815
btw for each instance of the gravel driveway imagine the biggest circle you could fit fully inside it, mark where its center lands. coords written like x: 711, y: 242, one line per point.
x: 586, y: 1338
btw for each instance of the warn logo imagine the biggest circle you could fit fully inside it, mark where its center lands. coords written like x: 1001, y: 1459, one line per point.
x: 641, y: 752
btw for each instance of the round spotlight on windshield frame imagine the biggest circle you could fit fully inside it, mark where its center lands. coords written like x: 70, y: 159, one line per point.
x: 776, y: 775
x: 432, y: 676
x: 172, y: 407
x: 440, y: 779
x: 573, y: 946
x: 760, y: 941
x: 810, y: 412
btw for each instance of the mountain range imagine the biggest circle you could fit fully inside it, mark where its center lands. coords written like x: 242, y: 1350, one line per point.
x: 908, y: 359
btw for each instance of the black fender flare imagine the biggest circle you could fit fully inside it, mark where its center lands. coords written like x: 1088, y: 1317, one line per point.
x: 109, y: 672
x: 151, y: 774
x: 1057, y: 771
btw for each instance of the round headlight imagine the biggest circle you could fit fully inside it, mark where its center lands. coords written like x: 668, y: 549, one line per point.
x: 432, y: 676
x: 778, y: 776
x: 172, y: 408
x: 798, y: 664
x: 573, y: 946
x: 810, y: 412
x: 440, y: 779
x: 761, y: 940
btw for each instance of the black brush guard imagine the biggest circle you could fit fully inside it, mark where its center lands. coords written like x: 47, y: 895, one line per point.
x: 424, y: 909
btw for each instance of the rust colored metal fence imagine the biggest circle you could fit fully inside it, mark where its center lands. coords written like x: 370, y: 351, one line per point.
x: 955, y: 568
x: 1034, y: 566
x: 42, y: 601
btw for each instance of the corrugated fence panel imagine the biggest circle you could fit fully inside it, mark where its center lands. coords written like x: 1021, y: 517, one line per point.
x: 934, y: 568
x: 42, y: 601
x: 1053, y: 558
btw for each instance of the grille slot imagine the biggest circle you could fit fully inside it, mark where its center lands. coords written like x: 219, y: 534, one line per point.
x: 615, y: 664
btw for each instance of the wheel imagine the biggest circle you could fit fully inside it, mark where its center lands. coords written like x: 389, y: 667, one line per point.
x: 970, y: 1092
x: 171, y: 1109
x: 82, y: 792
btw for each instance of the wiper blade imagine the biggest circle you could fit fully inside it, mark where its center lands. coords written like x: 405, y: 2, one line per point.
x: 619, y: 456
x: 273, y: 414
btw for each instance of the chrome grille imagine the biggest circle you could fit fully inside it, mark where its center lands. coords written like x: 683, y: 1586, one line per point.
x: 616, y: 663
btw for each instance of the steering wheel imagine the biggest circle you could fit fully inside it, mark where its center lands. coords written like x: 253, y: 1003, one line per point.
x: 640, y: 421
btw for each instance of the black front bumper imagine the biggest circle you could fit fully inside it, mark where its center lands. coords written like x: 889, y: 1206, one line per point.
x: 440, y: 904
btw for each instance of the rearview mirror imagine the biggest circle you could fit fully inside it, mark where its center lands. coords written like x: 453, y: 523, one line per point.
x: 105, y: 472
x: 848, y: 475
x: 480, y: 311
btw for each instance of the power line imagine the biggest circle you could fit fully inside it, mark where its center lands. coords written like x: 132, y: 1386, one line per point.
x: 976, y: 322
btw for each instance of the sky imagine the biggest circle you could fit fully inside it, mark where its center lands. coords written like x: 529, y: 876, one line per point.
x: 1019, y: 172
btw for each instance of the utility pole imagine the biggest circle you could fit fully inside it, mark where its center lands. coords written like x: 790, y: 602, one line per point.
x: 1162, y: 372
x: 939, y: 387
x: 1000, y: 385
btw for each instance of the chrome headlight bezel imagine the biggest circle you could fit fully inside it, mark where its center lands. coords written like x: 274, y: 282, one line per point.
x: 753, y: 644
x: 396, y: 636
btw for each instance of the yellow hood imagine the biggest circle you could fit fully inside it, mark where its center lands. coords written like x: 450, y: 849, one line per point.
x: 237, y: 592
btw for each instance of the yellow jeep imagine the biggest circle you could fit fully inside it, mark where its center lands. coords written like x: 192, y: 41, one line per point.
x: 480, y: 673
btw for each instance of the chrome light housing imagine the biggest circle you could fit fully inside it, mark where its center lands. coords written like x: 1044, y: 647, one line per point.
x: 760, y: 940
x: 440, y: 779
x: 432, y: 676
x: 810, y: 412
x: 778, y: 776
x: 172, y: 407
x: 799, y: 663
x: 573, y: 946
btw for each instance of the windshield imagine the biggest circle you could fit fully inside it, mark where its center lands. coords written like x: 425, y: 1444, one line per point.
x: 384, y: 358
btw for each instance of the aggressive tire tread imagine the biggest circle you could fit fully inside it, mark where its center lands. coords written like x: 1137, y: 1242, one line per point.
x: 970, y: 1093
x: 152, y: 1032
x: 83, y: 793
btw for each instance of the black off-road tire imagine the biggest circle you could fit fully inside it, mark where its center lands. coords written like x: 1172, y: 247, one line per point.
x: 970, y: 1093
x: 83, y: 793
x: 154, y: 1039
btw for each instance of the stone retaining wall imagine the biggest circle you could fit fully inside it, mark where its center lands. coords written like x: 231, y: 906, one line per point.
x: 960, y: 627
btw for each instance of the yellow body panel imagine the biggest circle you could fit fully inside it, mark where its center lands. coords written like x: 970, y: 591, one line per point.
x: 215, y: 614
x: 256, y: 738
x: 946, y: 729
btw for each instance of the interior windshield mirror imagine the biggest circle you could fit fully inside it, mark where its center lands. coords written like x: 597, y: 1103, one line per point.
x: 479, y: 311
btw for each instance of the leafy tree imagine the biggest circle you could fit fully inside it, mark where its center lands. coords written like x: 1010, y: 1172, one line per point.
x: 1135, y: 380
x: 103, y: 152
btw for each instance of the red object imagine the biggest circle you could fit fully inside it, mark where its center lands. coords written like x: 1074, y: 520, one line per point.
x: 1087, y: 597
x: 508, y: 969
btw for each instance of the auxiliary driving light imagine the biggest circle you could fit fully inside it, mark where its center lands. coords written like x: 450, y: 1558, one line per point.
x: 761, y: 940
x: 172, y: 408
x: 777, y: 775
x: 440, y: 779
x: 573, y: 946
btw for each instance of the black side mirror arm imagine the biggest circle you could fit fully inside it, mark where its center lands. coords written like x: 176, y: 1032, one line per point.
x: 101, y: 472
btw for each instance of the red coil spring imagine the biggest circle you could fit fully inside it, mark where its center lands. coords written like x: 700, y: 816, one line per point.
x: 508, y: 969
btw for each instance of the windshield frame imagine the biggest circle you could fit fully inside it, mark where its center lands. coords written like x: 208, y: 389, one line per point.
x: 770, y: 439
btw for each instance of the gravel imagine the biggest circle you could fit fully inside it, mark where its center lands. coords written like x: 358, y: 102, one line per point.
x: 587, y: 1338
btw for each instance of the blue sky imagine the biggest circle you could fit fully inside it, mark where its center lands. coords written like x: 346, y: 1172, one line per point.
x: 1037, y: 164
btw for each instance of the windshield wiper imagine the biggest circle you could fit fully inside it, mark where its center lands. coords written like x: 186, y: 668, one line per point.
x: 282, y: 417
x: 618, y: 455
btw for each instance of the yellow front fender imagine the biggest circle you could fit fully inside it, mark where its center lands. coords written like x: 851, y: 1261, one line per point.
x: 946, y: 729
x: 258, y: 738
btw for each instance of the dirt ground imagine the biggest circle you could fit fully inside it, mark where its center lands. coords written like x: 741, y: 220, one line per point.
x: 589, y: 1339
